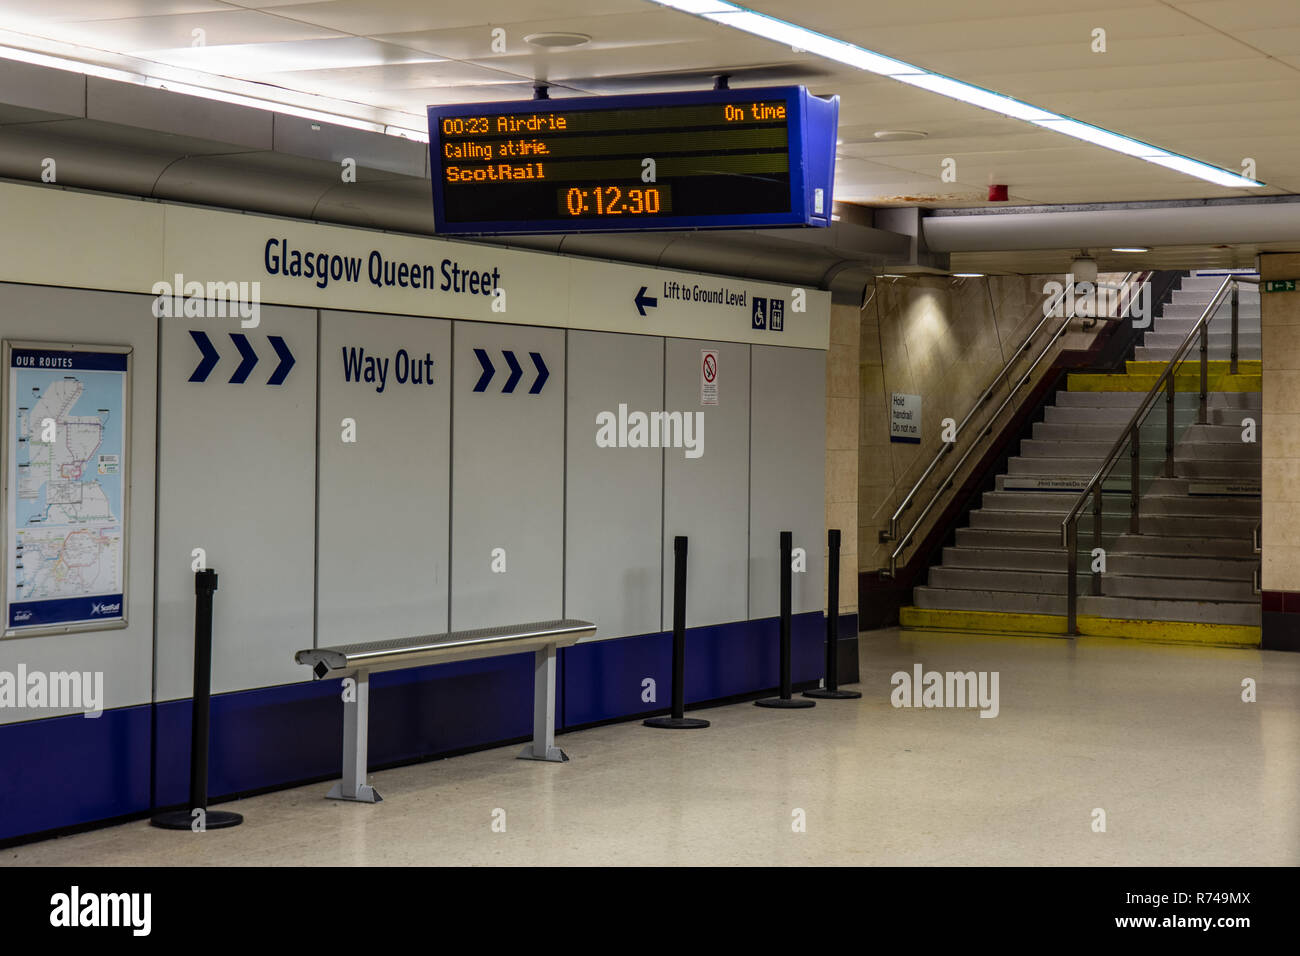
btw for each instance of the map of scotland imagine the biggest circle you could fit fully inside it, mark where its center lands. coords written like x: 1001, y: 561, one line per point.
x: 66, y: 511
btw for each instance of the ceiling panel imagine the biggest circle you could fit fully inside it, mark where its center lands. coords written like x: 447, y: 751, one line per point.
x: 372, y: 17
x: 1215, y: 79
x: 220, y: 27
x: 51, y: 11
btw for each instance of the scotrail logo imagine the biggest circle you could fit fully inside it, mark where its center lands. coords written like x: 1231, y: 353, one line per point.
x: 216, y: 300
x: 948, y: 689
x: 100, y: 608
x: 683, y: 430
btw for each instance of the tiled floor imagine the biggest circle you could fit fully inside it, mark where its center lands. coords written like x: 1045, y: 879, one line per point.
x: 1156, y: 736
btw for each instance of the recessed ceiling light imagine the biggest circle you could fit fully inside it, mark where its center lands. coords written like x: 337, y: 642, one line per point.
x: 1130, y: 249
x: 895, y: 135
x: 557, y: 40
x: 968, y: 275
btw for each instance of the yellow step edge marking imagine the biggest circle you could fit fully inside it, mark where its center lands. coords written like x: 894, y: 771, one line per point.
x: 999, y: 621
x: 1244, y: 366
x: 1098, y: 382
x: 1015, y: 623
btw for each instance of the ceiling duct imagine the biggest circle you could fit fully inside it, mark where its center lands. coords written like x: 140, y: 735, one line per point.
x: 158, y: 144
x: 1199, y: 222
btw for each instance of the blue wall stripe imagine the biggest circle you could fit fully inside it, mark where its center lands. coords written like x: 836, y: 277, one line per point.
x: 68, y: 771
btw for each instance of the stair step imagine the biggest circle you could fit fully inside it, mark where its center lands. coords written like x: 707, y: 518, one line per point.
x: 1170, y: 339
x: 1076, y: 467
x: 1116, y: 417
x: 1115, y: 521
x: 1150, y: 609
x: 1048, y: 522
x: 1158, y: 565
x: 1048, y: 502
x: 1067, y: 398
x: 1208, y: 451
x: 1162, y: 353
x: 1010, y: 540
x: 966, y: 600
x: 1228, y: 468
x: 1197, y: 506
x: 1004, y: 559
x: 1229, y: 434
x: 1174, y: 589
x: 1152, y: 446
x: 1189, y: 546
x: 992, y: 579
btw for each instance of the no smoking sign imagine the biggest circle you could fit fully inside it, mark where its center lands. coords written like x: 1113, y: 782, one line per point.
x: 708, y: 377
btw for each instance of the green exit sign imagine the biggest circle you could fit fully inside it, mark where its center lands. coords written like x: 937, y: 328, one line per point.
x: 1279, y: 285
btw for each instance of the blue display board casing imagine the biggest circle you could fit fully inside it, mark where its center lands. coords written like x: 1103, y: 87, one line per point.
x: 814, y: 122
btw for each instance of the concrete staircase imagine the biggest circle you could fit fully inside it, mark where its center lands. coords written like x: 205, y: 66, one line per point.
x: 1188, y: 304
x: 1193, y: 561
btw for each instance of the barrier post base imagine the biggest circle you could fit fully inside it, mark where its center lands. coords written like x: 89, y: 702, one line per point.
x: 675, y: 723
x: 184, y: 820
x: 364, y: 793
x: 824, y: 693
x: 551, y: 754
x: 788, y: 703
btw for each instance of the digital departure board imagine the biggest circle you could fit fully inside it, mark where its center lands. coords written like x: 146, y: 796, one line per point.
x: 719, y: 159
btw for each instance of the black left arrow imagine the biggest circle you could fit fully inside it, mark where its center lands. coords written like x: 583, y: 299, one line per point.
x: 643, y: 301
x: 209, y: 360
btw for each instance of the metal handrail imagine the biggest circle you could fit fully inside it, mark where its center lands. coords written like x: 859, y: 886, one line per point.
x: 892, y: 533
x: 1131, y: 436
x: 1257, y: 576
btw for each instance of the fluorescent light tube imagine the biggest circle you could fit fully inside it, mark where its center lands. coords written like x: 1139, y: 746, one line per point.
x: 841, y: 51
x: 977, y: 96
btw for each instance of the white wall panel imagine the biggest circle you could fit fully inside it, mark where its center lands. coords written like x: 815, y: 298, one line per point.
x: 507, y: 478
x: 787, y: 482
x: 707, y: 498
x: 237, y: 477
x: 383, y: 550
x: 614, y: 495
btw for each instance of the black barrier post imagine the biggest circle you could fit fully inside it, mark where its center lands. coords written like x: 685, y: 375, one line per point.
x: 205, y: 583
x: 787, y: 698
x: 678, y: 719
x: 832, y: 689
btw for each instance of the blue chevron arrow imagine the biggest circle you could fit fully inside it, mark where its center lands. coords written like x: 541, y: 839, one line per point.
x: 543, y: 373
x: 286, y: 360
x: 249, y: 358
x: 515, y: 372
x: 210, y: 357
x: 488, y: 370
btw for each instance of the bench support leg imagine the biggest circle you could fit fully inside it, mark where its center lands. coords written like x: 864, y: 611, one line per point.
x: 356, y: 736
x: 543, y: 745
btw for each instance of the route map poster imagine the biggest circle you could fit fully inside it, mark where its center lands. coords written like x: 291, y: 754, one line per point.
x: 65, y: 432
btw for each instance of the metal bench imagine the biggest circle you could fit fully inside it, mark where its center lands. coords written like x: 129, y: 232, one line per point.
x: 359, y: 661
